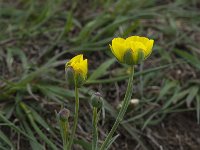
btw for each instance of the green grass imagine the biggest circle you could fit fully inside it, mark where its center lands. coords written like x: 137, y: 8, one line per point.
x: 38, y: 37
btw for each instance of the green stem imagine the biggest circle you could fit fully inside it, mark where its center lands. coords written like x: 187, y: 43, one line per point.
x: 75, y: 118
x: 95, y: 129
x: 121, y: 112
x: 64, y: 132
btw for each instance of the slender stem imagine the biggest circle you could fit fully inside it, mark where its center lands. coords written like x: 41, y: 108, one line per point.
x: 64, y: 132
x: 141, y: 81
x: 95, y: 129
x: 75, y: 118
x: 121, y: 112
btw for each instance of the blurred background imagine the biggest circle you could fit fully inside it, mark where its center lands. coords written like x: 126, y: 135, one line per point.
x: 38, y: 37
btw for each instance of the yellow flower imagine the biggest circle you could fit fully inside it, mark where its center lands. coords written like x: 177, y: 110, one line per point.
x: 79, y: 67
x: 131, y: 50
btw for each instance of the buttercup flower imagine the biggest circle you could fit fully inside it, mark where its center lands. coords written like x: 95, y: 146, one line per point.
x: 77, y: 69
x: 131, y: 50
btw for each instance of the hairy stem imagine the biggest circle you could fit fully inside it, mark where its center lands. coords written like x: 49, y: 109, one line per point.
x: 121, y: 112
x: 95, y: 129
x: 75, y: 118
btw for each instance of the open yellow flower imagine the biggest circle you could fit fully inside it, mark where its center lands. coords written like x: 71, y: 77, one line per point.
x: 131, y: 50
x: 79, y: 67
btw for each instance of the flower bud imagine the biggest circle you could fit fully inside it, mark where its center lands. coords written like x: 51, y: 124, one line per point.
x: 97, y: 100
x: 64, y: 114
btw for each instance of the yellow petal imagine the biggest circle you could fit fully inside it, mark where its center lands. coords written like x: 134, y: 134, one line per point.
x: 84, y: 67
x: 149, y: 46
x: 118, y: 48
x: 132, y: 38
x: 76, y: 59
x: 135, y: 47
x: 143, y: 40
x: 76, y: 67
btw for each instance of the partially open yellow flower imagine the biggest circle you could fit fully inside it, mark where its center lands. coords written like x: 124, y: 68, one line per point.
x: 131, y: 50
x: 79, y: 67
